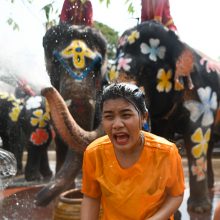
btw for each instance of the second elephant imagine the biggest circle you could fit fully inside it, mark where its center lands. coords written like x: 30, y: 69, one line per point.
x: 25, y: 125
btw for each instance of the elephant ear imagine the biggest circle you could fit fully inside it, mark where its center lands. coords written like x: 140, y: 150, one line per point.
x: 184, y: 67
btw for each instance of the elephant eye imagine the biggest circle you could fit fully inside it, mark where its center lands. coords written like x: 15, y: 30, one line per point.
x: 78, y: 49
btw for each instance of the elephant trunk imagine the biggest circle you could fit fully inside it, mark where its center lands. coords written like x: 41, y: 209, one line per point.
x: 71, y: 133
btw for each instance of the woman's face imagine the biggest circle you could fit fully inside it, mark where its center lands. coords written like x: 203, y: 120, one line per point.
x: 122, y: 123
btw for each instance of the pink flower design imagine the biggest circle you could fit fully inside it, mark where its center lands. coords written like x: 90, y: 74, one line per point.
x: 123, y: 64
x: 199, y: 169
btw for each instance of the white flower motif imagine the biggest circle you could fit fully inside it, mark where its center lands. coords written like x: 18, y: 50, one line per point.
x: 33, y: 102
x: 206, y: 107
x: 154, y: 50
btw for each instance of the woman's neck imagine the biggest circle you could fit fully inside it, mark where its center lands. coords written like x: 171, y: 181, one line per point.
x: 127, y: 159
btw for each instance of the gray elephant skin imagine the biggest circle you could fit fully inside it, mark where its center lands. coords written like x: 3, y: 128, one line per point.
x: 76, y: 62
x: 182, y: 92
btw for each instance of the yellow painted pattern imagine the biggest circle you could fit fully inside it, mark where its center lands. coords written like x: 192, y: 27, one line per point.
x: 164, y: 80
x: 133, y: 37
x: 78, y: 51
x: 40, y: 118
x: 202, y: 140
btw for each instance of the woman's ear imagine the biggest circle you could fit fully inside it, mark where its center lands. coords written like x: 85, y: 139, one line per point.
x: 145, y: 124
x: 146, y: 116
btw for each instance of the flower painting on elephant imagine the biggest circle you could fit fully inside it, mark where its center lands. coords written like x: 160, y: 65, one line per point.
x: 25, y: 125
x: 182, y: 92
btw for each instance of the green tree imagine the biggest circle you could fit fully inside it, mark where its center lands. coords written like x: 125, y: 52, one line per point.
x: 110, y: 34
x: 129, y: 3
x: 49, y: 8
x: 111, y: 37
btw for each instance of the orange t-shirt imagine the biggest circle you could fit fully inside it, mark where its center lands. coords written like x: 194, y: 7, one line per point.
x: 138, y: 191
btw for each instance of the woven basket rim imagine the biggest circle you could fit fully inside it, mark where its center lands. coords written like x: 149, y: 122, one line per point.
x: 71, y: 200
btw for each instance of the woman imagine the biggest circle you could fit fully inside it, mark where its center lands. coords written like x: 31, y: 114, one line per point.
x: 132, y: 174
x: 217, y: 212
x: 158, y: 10
x: 77, y: 12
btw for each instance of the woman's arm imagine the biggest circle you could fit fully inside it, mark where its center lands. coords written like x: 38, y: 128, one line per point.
x: 217, y: 212
x: 169, y: 207
x: 90, y: 208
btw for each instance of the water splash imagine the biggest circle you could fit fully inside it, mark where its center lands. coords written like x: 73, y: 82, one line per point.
x: 8, y: 164
x: 8, y: 168
x: 22, y: 56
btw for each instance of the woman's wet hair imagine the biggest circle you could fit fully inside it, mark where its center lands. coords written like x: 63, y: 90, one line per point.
x: 128, y: 91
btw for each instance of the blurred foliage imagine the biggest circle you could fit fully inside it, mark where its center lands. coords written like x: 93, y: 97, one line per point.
x: 110, y: 34
x: 48, y: 10
x: 111, y: 37
x: 127, y: 2
x: 12, y: 23
x: 29, y: 1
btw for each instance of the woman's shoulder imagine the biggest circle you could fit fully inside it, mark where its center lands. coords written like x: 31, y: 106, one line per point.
x: 98, y: 143
x: 155, y: 141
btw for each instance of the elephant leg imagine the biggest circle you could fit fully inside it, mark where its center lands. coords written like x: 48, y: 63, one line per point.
x: 210, y: 173
x: 13, y: 142
x: 19, y: 156
x: 32, y: 172
x: 198, y: 200
x: 44, y: 166
x: 63, y: 180
x: 19, y: 152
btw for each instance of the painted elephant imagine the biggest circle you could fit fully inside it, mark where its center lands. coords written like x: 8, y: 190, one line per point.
x: 182, y: 92
x: 26, y: 124
x: 76, y: 58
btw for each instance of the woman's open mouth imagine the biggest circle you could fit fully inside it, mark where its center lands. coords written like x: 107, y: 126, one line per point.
x: 121, y: 139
